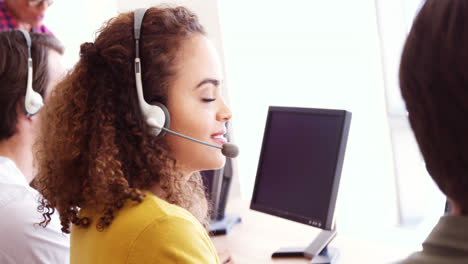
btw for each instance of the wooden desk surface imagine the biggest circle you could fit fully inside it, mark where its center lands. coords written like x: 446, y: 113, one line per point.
x: 259, y: 235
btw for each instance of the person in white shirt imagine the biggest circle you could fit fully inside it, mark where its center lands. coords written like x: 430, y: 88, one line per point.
x: 22, y: 240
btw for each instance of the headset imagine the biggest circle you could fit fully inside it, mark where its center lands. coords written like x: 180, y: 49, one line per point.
x: 33, y: 101
x: 156, y: 114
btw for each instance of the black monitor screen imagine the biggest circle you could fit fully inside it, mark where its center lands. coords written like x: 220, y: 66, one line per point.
x: 301, y: 155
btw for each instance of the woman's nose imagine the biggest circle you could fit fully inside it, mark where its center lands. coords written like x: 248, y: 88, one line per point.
x: 224, y: 114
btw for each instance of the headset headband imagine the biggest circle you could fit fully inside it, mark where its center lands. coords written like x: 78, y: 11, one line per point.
x: 28, y: 41
x: 138, y: 20
x: 155, y: 114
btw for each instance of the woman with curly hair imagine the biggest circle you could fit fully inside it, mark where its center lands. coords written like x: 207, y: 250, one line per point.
x: 126, y: 192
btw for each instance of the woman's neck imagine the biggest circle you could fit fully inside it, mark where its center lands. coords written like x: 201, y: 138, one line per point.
x: 160, y: 192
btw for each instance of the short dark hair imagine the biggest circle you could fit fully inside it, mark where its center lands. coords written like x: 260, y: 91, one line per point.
x: 434, y: 85
x: 14, y: 72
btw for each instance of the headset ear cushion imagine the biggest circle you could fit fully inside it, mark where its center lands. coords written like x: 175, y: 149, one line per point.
x: 167, y: 119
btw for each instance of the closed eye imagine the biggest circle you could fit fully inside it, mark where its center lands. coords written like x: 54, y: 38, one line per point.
x: 207, y: 100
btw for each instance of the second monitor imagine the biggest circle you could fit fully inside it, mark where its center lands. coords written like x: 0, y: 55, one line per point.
x: 299, y: 169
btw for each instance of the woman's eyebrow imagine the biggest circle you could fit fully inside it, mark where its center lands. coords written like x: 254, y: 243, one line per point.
x: 208, y: 80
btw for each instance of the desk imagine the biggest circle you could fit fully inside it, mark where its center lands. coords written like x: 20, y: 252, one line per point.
x: 258, y: 235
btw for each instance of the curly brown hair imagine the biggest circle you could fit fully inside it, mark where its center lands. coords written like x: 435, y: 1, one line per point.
x: 94, y: 148
x: 434, y: 85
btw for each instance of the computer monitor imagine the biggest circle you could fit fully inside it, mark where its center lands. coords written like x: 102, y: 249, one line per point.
x: 299, y: 169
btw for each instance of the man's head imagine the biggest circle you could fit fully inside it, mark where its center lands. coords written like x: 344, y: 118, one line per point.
x: 434, y: 85
x: 29, y: 12
x: 45, y: 51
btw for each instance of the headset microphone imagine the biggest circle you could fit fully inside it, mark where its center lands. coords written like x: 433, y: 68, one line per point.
x: 156, y: 114
x: 228, y: 149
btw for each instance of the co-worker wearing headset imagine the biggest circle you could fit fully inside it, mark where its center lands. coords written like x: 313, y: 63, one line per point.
x: 29, y: 67
x: 128, y: 131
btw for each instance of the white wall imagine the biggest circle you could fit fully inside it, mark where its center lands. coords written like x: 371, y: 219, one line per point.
x: 322, y: 54
x: 75, y: 22
x: 421, y: 203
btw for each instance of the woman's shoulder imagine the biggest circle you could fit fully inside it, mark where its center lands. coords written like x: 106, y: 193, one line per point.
x: 173, y: 239
x: 172, y: 234
x: 153, y: 208
x: 136, y: 216
x: 143, y: 232
x: 154, y: 215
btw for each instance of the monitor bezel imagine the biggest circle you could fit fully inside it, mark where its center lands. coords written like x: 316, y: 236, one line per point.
x: 344, y: 131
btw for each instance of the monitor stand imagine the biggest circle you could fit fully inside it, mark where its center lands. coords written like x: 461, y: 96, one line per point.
x: 317, y: 251
x: 223, y: 225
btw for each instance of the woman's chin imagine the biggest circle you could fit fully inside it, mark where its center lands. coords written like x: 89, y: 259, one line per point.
x: 217, y: 163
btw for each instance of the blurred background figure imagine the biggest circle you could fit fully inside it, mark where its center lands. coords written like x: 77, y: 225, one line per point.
x: 24, y: 14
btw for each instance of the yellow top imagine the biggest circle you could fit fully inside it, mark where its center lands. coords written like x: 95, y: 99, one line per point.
x: 152, y: 231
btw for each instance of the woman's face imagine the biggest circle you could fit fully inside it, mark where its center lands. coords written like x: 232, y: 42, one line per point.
x: 197, y: 107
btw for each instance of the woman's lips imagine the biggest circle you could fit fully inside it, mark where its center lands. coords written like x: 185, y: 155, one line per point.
x: 219, y: 138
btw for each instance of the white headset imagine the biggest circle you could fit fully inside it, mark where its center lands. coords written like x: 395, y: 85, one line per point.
x: 33, y: 101
x: 156, y: 114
